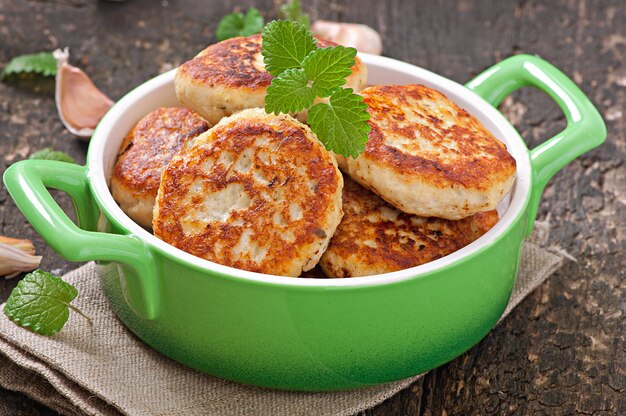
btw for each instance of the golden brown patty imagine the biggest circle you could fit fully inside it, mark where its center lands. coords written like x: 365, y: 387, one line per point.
x: 258, y: 192
x: 230, y: 76
x: 145, y: 152
x: 374, y: 237
x: 427, y: 156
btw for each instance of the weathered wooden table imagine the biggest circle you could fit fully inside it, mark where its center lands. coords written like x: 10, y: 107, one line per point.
x: 563, y: 350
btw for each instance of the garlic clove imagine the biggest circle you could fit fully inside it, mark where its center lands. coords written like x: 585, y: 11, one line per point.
x: 24, y: 245
x: 17, y: 256
x: 362, y: 37
x: 80, y: 103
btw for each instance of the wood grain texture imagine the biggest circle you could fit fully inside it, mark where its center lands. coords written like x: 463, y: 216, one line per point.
x: 563, y: 350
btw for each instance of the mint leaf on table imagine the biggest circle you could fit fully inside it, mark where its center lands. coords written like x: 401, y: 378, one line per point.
x: 41, y: 63
x: 327, y: 68
x: 292, y: 10
x: 342, y: 123
x: 236, y: 24
x: 41, y: 302
x: 51, y: 154
x: 285, y: 45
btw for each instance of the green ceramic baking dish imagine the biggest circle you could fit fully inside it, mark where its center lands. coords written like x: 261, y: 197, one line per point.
x: 307, y: 334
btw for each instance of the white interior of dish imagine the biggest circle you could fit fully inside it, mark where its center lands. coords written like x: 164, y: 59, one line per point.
x: 159, y: 92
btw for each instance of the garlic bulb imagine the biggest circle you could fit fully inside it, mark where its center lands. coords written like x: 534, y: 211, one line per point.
x: 362, y: 37
x: 17, y: 256
x: 80, y: 103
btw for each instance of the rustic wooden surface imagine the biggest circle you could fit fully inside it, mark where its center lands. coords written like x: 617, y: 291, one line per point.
x: 562, y: 351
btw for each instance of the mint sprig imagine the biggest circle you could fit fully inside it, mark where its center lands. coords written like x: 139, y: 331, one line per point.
x: 303, y: 72
x: 41, y: 63
x: 289, y: 92
x: 41, y: 302
x: 327, y: 68
x: 237, y: 24
x: 342, y: 123
x: 285, y: 45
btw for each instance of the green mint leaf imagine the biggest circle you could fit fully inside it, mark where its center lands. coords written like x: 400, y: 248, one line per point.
x: 292, y: 10
x: 42, y: 63
x: 229, y: 27
x: 341, y: 125
x: 285, y: 45
x: 253, y: 22
x: 327, y: 68
x: 236, y: 24
x: 40, y: 302
x: 290, y: 92
x: 51, y: 154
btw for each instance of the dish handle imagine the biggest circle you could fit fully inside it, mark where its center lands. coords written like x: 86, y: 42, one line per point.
x: 28, y: 181
x: 585, y: 128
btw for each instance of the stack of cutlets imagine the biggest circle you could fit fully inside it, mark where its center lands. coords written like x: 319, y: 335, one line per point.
x: 259, y: 192
x: 435, y: 176
x: 145, y: 152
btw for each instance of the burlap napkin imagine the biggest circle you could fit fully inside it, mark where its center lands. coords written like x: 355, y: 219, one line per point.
x: 104, y: 369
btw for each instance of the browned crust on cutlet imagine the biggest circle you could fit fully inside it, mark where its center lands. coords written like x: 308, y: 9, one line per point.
x: 484, y: 221
x: 231, y: 63
x: 297, y: 161
x: 478, y: 159
x: 374, y: 237
x: 151, y: 144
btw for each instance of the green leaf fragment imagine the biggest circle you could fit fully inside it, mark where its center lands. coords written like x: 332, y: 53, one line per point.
x: 289, y: 92
x: 285, y: 45
x: 40, y: 302
x: 236, y: 24
x: 253, y: 22
x: 327, y: 68
x: 341, y: 125
x: 292, y: 10
x: 229, y: 27
x: 42, y: 63
x: 51, y: 154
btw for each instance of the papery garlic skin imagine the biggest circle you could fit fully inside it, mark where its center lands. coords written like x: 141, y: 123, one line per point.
x: 80, y: 103
x: 361, y: 37
x: 17, y: 256
x: 24, y: 245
